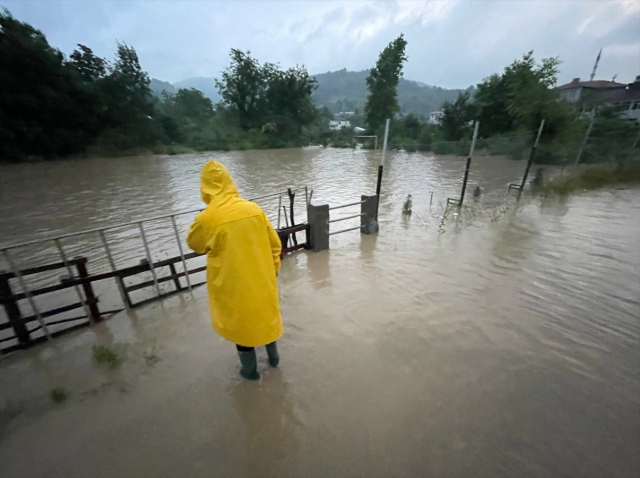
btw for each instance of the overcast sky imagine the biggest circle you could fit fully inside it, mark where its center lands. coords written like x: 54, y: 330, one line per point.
x: 451, y: 43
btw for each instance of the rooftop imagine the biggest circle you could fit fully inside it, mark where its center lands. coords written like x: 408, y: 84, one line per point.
x: 576, y: 83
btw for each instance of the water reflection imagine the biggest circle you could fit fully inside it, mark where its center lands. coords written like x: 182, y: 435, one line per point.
x: 270, y: 443
x: 319, y: 269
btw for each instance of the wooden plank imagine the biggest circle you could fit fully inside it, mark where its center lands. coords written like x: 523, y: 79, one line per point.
x: 162, y: 296
x: 59, y: 310
x: 45, y: 268
x: 149, y: 283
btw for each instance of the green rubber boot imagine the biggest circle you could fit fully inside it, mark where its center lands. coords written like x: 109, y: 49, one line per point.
x: 249, y: 363
x: 272, y: 352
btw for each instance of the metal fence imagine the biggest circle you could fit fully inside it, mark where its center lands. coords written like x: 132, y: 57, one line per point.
x: 144, y: 257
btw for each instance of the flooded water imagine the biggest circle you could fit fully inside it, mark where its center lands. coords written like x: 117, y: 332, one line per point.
x: 504, y: 341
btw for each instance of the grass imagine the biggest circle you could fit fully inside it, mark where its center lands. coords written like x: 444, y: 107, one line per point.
x: 58, y: 395
x: 595, y: 178
x: 105, y: 356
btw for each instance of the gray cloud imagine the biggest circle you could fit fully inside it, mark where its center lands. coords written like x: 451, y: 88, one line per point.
x: 450, y: 43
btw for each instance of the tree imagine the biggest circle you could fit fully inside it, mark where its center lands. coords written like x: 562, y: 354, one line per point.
x: 382, y: 82
x: 194, y: 105
x: 521, y: 97
x: 288, y: 99
x: 243, y: 85
x: 273, y: 101
x: 43, y: 109
x: 491, y: 100
x: 455, y: 116
x: 90, y: 66
x: 130, y: 111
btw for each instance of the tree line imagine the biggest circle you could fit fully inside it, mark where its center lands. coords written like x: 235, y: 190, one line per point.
x: 509, y: 107
x: 52, y: 106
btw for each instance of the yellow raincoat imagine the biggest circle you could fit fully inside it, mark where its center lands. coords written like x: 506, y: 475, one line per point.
x: 243, y: 257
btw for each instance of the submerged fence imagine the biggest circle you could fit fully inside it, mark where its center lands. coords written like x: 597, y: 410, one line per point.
x: 49, y: 286
x: 53, y: 301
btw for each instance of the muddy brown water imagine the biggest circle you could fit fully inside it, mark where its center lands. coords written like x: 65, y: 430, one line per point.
x: 501, y: 342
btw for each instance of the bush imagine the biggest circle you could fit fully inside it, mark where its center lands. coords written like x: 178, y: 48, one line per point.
x: 594, y: 178
x: 459, y: 148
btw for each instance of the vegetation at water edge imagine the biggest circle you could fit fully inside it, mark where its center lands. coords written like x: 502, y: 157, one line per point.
x: 105, y: 356
x: 596, y: 177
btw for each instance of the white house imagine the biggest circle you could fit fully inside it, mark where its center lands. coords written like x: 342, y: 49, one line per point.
x: 434, y: 117
x: 339, y: 124
x: 588, y: 94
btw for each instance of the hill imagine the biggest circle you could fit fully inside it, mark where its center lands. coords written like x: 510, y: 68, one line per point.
x: 340, y: 90
x: 344, y: 90
x: 206, y: 85
x: 158, y: 86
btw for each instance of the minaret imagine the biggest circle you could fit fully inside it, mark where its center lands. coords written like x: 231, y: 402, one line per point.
x: 595, y: 66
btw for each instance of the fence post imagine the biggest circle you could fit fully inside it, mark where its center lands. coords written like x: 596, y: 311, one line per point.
x: 531, y: 155
x: 18, y: 275
x: 81, y: 265
x: 318, y: 212
x: 12, y: 309
x: 368, y: 223
x: 466, y: 171
x: 176, y: 280
x: 586, y: 137
x: 381, y: 165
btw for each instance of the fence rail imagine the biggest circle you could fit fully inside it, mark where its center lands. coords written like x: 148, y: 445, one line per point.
x: 81, y: 282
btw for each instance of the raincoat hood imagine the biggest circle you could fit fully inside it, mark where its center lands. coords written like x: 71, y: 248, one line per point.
x: 216, y: 183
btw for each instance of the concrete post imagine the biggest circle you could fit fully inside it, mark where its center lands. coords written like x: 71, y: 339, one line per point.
x: 318, y: 214
x: 368, y: 209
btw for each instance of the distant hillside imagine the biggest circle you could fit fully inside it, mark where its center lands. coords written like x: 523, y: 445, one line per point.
x: 344, y: 90
x: 158, y: 86
x: 206, y: 85
x: 340, y: 90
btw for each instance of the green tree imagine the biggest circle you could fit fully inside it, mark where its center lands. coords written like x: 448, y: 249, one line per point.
x: 288, y: 100
x: 521, y: 97
x: 243, y: 85
x: 43, y: 109
x: 277, y: 103
x: 130, y: 119
x: 382, y: 82
x: 90, y: 66
x: 192, y: 104
x: 491, y: 99
x: 455, y: 117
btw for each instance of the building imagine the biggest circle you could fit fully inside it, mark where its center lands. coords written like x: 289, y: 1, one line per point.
x: 341, y: 120
x: 339, y: 124
x: 589, y: 94
x: 434, y: 117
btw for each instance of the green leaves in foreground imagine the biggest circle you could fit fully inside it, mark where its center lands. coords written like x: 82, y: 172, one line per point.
x: 58, y: 395
x: 105, y: 356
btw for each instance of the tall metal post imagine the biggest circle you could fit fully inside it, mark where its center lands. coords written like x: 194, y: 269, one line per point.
x: 279, y: 212
x: 635, y: 143
x: 63, y: 256
x: 149, y: 259
x: 466, y: 171
x: 123, y: 294
x: 586, y: 137
x: 381, y: 165
x: 184, y: 262
x: 531, y: 156
x: 18, y: 275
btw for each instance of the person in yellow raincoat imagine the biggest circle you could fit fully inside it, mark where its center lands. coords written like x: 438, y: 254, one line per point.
x: 243, y: 260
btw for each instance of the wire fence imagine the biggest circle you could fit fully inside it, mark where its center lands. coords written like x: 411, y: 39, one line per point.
x: 420, y: 177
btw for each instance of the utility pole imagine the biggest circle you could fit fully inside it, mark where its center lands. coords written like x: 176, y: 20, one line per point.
x: 381, y: 166
x: 466, y: 171
x: 595, y: 66
x: 586, y: 137
x: 531, y: 156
